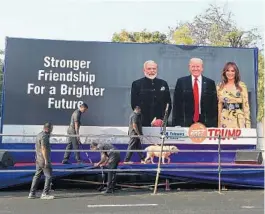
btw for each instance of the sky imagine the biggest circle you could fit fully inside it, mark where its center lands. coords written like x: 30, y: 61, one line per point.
x: 89, y: 20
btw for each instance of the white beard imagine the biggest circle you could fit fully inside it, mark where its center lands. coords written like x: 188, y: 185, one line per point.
x: 150, y: 77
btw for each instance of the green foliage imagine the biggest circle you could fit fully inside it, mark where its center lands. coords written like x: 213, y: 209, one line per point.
x: 182, y: 36
x: 1, y: 61
x: 216, y: 27
x: 140, y: 37
x: 210, y: 27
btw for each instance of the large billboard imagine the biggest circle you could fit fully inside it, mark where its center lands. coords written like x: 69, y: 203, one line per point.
x: 46, y: 80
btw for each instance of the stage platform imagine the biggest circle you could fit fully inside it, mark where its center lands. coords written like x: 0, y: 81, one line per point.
x: 236, y: 175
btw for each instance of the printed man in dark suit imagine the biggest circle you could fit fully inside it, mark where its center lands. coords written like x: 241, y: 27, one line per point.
x: 195, y: 98
x: 151, y: 94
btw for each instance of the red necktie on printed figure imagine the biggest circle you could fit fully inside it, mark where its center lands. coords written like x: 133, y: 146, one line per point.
x: 196, y: 101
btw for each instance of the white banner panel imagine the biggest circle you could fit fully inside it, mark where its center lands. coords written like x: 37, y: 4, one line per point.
x: 118, y: 135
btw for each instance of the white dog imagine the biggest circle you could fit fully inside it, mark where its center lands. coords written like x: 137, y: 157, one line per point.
x: 154, y: 151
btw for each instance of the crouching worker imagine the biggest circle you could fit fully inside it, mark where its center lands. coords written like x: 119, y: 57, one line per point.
x: 111, y: 160
x: 43, y: 163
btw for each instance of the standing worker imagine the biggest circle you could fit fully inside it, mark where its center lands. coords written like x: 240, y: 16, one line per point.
x: 43, y: 163
x: 73, y: 129
x: 111, y: 159
x: 135, y: 128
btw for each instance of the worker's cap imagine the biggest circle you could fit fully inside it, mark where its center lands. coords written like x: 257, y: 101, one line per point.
x: 84, y: 105
x: 48, y: 125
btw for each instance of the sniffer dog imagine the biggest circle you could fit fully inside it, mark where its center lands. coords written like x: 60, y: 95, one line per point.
x: 154, y: 151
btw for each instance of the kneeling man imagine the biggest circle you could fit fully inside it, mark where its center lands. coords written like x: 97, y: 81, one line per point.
x: 111, y: 159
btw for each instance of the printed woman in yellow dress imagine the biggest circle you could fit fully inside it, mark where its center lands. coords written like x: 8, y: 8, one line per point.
x: 233, y: 105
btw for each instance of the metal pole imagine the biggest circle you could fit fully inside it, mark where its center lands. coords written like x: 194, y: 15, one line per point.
x: 219, y: 163
x: 162, y: 144
x: 159, y: 165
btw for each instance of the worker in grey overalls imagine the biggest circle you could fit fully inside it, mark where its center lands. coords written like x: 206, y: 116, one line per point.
x: 43, y: 163
x: 73, y: 129
x: 111, y: 159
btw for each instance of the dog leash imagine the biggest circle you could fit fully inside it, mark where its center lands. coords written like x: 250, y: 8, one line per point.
x: 85, y: 153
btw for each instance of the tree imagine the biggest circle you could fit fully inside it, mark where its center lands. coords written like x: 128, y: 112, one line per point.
x: 1, y: 61
x: 140, y: 37
x: 183, y: 36
x: 216, y: 27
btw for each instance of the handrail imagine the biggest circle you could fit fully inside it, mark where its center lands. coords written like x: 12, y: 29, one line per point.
x: 125, y: 136
x: 132, y: 150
